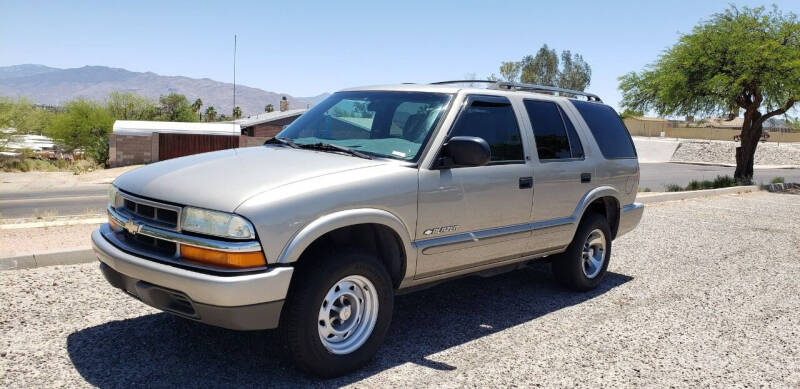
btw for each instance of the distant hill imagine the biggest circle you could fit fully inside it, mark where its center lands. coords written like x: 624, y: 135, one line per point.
x: 53, y: 86
x: 314, y: 100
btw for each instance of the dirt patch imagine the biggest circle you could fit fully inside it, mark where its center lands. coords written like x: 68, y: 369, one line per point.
x: 27, y: 240
x: 34, y: 181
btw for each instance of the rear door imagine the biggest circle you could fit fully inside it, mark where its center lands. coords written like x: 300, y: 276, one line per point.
x: 563, y: 174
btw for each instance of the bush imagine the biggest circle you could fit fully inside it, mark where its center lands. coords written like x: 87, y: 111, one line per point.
x: 673, y: 188
x: 778, y: 180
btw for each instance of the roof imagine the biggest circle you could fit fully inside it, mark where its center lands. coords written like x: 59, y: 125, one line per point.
x: 267, y: 117
x: 143, y: 127
x: 451, y: 89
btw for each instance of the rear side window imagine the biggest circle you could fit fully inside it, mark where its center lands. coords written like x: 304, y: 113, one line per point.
x: 492, y: 118
x: 607, y: 128
x: 554, y: 133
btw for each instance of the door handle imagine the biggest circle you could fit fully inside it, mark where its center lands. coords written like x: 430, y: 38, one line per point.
x: 586, y: 177
x: 525, y: 182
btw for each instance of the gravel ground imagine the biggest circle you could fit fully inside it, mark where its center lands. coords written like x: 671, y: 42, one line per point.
x: 719, y: 151
x: 703, y: 293
x: 27, y: 240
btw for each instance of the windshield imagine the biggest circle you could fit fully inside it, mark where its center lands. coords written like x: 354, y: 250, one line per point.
x: 381, y: 123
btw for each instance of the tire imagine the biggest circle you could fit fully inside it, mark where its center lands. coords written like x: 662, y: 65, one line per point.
x: 323, y: 300
x: 572, y: 268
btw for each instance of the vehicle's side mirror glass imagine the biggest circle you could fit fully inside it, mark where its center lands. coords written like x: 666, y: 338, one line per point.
x: 465, y: 151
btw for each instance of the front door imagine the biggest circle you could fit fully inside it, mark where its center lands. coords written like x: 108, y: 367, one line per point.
x: 469, y: 216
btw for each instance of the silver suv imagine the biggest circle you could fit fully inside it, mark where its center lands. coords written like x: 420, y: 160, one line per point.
x: 374, y: 190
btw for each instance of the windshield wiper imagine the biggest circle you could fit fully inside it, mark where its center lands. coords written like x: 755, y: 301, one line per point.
x: 332, y: 147
x: 282, y: 141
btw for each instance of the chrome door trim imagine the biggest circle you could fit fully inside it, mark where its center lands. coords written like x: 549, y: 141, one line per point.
x: 484, y: 237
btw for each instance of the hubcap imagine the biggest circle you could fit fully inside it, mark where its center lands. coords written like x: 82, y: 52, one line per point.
x: 348, y: 314
x: 594, y: 253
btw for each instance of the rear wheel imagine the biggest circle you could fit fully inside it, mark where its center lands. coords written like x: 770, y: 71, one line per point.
x: 583, y: 265
x: 337, y: 313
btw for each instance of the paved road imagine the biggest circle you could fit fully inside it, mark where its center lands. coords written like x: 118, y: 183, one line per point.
x: 92, y: 199
x: 702, y: 294
x: 62, y: 202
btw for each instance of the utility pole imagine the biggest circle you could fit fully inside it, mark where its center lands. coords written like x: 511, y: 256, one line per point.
x: 234, y: 72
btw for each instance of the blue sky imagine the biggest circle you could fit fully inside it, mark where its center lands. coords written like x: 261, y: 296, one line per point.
x: 305, y: 48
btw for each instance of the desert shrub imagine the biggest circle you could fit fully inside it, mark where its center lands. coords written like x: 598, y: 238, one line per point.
x: 673, y: 188
x: 778, y: 180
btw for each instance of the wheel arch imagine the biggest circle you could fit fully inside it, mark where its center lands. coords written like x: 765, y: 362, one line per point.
x: 603, y: 200
x: 349, y: 227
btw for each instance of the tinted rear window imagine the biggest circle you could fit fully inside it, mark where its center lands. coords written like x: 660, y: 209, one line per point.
x: 607, y: 128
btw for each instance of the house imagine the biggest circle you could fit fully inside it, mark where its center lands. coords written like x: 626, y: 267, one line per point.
x: 135, y: 142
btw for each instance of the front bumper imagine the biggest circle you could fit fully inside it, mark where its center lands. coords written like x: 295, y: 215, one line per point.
x: 245, y: 302
x: 629, y: 218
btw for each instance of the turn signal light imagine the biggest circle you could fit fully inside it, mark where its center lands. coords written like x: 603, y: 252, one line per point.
x: 223, y: 258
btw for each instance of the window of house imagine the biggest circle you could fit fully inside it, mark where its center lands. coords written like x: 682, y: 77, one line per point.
x: 492, y: 118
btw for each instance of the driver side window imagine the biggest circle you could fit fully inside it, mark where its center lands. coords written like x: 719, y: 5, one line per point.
x: 492, y: 118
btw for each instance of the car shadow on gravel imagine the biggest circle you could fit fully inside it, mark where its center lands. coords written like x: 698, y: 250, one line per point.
x: 162, y: 350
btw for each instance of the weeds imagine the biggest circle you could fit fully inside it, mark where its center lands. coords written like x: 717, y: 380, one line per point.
x: 45, y: 165
x: 719, y: 182
x: 778, y: 180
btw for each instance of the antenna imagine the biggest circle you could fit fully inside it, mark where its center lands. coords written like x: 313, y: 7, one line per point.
x: 234, y: 73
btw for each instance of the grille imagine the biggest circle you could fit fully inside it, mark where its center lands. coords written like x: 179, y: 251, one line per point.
x: 149, y: 245
x: 156, y: 214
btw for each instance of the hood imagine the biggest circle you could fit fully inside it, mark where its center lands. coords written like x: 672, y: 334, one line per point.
x: 222, y: 180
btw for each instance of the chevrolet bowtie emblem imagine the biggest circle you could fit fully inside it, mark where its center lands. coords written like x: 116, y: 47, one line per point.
x: 132, y: 227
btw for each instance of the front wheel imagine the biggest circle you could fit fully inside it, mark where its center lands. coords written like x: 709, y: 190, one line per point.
x: 583, y: 265
x: 337, y: 313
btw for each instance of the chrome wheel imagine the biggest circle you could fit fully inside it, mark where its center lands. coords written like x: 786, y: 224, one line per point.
x: 348, y: 314
x: 594, y: 253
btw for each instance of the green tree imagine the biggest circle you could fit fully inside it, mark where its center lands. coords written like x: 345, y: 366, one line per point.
x: 541, y: 69
x: 237, y: 113
x: 571, y: 72
x: 130, y: 106
x: 211, y: 114
x: 510, y: 70
x: 196, y: 106
x: 744, y: 59
x: 575, y: 73
x: 175, y: 107
x: 83, y: 126
x: 269, y: 108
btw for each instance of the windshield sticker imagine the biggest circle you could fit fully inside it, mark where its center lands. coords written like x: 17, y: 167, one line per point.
x: 399, y: 154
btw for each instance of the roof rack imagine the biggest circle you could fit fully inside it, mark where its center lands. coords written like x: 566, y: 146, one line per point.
x: 528, y: 88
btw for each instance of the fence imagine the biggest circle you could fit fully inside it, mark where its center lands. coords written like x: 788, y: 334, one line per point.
x: 654, y: 128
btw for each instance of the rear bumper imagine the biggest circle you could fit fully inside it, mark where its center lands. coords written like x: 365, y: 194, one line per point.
x: 629, y: 218
x: 245, y: 302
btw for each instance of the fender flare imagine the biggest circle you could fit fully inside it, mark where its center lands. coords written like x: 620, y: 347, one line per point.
x: 592, y: 195
x: 332, y: 221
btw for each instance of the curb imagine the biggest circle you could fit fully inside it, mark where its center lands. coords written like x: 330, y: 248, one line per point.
x: 48, y: 258
x: 691, y: 194
x: 721, y: 164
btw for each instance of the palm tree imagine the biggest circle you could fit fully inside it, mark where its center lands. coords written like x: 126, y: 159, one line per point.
x: 196, y: 107
x: 269, y: 108
x: 211, y: 114
x: 237, y: 113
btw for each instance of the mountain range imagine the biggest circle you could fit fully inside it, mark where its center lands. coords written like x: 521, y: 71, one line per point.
x: 53, y: 86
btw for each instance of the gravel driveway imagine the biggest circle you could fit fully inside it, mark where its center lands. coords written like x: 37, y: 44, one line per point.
x: 703, y: 293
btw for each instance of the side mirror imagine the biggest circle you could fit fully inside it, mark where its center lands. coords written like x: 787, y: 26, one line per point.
x: 465, y: 151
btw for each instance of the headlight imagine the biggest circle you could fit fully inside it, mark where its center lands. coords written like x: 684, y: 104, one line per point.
x: 114, y: 199
x: 215, y: 223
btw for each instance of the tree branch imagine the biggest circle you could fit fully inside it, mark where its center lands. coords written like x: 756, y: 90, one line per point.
x: 779, y: 111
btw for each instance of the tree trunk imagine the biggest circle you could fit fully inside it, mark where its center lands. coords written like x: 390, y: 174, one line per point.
x: 745, y: 153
